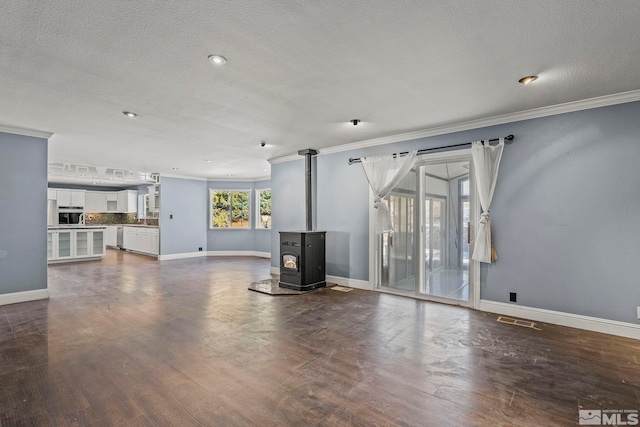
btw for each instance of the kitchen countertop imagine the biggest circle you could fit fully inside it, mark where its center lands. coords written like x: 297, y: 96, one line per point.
x: 75, y: 227
x: 129, y: 225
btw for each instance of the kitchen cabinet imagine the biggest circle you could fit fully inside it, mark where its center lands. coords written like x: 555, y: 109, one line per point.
x: 95, y: 201
x: 141, y: 239
x: 111, y: 236
x: 128, y: 201
x: 77, y: 198
x: 73, y: 198
x: 59, y: 245
x: 75, y: 245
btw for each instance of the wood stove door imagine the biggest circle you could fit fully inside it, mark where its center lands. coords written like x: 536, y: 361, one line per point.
x: 290, y: 262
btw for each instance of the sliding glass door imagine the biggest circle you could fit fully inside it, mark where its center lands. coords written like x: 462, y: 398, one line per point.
x: 427, y: 254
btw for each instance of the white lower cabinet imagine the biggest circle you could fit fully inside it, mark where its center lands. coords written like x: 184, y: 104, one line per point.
x: 140, y: 239
x: 72, y: 245
x: 111, y: 236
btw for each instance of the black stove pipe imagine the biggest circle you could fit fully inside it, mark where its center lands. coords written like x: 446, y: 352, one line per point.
x: 308, y: 153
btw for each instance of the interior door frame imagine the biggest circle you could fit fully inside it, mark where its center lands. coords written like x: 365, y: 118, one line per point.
x: 474, y: 216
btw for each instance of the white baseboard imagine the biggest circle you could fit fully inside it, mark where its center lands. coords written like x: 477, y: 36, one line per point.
x: 240, y: 253
x: 16, y: 297
x: 588, y: 323
x: 350, y: 283
x: 181, y: 256
x: 275, y: 271
x: 213, y: 253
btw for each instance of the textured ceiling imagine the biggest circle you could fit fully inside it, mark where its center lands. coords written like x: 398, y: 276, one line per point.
x: 297, y: 71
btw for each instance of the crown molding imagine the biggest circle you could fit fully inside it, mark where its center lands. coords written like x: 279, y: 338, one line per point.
x: 208, y: 179
x: 25, y: 132
x: 227, y: 179
x: 172, y: 175
x: 552, y: 110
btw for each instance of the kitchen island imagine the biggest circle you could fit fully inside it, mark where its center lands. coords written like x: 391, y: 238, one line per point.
x: 70, y: 243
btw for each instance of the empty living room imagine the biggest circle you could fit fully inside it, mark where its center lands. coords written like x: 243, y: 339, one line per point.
x: 415, y: 213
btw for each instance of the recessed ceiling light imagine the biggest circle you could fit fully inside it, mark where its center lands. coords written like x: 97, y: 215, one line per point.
x: 355, y: 122
x: 129, y: 114
x: 208, y: 161
x: 265, y: 170
x: 95, y: 183
x: 528, y: 79
x: 217, y: 59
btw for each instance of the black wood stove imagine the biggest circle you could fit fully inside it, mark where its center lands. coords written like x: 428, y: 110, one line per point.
x: 302, y: 253
x: 302, y: 260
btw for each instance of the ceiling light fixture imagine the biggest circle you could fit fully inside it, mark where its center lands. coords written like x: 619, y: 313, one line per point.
x: 230, y: 175
x: 208, y: 161
x: 355, y: 122
x: 175, y: 169
x: 263, y: 143
x: 129, y: 114
x: 528, y: 79
x: 217, y: 59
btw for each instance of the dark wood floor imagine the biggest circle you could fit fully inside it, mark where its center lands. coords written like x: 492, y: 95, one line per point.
x: 132, y: 341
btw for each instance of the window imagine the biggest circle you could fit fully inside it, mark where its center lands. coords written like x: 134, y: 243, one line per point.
x: 263, y: 207
x: 230, y: 208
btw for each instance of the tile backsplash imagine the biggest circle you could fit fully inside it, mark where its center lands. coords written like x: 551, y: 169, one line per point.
x: 91, y: 218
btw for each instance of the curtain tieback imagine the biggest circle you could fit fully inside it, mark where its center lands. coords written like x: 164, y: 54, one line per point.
x: 376, y: 202
x: 485, y: 218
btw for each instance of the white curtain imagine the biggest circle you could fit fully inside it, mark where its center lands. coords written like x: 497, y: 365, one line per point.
x: 383, y: 174
x: 486, y: 161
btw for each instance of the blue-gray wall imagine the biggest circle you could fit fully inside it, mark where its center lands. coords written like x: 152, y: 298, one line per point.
x: 566, y: 211
x: 23, y: 213
x: 235, y: 239
x: 186, y: 200
x: 261, y: 236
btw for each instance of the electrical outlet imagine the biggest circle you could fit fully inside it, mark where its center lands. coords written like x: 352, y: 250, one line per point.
x: 171, y: 216
x: 512, y: 297
x: 200, y: 250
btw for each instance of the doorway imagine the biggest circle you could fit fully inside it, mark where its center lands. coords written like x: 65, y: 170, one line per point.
x: 427, y: 255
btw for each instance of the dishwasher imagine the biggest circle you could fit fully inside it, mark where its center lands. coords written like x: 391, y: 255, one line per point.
x: 119, y: 238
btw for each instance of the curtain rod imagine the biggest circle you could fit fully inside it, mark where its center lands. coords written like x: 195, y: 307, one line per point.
x: 425, y: 150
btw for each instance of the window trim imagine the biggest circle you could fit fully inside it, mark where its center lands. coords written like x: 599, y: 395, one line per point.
x: 230, y: 190
x: 257, y: 219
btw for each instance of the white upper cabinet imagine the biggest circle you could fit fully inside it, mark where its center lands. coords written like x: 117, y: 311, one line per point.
x: 73, y: 198
x: 77, y: 198
x: 95, y: 201
x: 124, y: 201
x: 64, y: 197
x: 128, y: 201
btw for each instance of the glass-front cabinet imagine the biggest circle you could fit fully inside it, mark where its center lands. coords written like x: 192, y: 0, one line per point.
x: 82, y: 243
x: 97, y: 242
x: 69, y: 245
x: 65, y: 244
x: 50, y: 246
